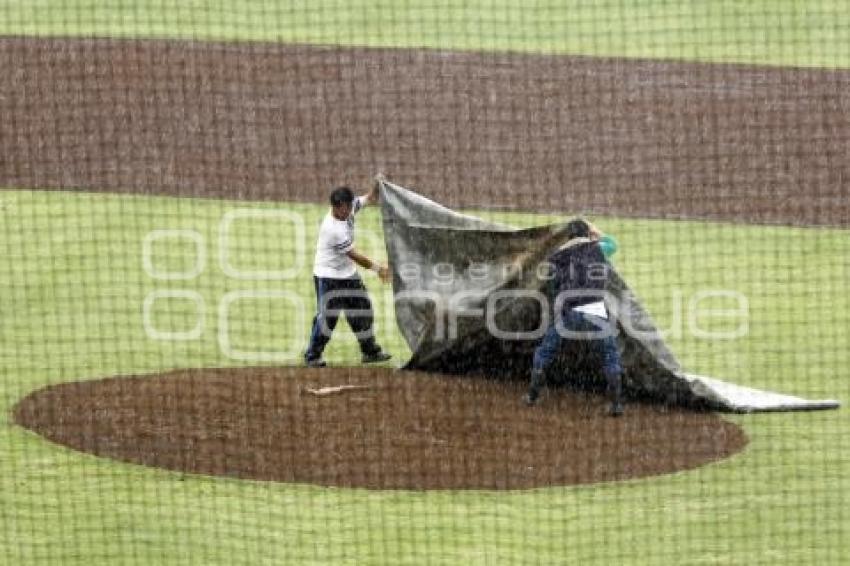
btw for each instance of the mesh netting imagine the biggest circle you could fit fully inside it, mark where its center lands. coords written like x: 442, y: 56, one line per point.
x: 170, y: 259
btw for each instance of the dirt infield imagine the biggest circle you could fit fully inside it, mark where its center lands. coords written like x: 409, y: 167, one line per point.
x: 405, y: 431
x: 275, y: 122
x: 530, y: 132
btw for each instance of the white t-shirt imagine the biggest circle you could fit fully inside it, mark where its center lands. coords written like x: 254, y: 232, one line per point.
x: 336, y: 239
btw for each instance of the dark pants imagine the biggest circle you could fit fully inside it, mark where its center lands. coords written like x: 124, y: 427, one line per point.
x: 334, y: 297
x: 575, y: 321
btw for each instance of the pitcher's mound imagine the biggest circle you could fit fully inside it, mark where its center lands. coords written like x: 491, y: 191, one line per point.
x: 396, y: 430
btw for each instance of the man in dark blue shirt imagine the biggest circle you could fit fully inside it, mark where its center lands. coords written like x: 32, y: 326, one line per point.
x: 580, y: 270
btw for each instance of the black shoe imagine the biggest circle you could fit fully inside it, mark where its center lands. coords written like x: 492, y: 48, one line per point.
x: 316, y: 363
x: 616, y: 409
x: 375, y: 358
x: 538, y: 381
x: 615, y: 392
x: 531, y: 398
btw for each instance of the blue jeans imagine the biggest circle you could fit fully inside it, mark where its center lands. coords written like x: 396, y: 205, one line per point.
x: 580, y: 322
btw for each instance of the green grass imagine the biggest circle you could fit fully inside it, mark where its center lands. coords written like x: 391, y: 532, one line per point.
x: 73, y: 286
x: 775, y: 32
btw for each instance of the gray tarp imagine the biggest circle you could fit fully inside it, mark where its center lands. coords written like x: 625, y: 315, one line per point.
x: 452, y: 273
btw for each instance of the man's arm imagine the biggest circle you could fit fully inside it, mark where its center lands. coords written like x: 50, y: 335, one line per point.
x: 374, y: 194
x: 366, y: 263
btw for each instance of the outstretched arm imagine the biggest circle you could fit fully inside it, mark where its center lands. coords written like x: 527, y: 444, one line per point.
x: 375, y: 194
x: 366, y: 263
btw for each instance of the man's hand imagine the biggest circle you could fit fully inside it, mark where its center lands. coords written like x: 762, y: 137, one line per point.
x: 595, y: 233
x: 374, y: 195
x: 382, y: 270
x: 384, y: 273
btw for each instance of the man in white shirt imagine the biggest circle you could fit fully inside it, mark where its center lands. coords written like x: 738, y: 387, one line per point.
x: 339, y: 288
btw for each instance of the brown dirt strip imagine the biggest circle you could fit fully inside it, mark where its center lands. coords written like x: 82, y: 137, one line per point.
x: 275, y: 122
x: 407, y: 431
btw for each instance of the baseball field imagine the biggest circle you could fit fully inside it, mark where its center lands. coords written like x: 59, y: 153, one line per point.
x: 165, y: 167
